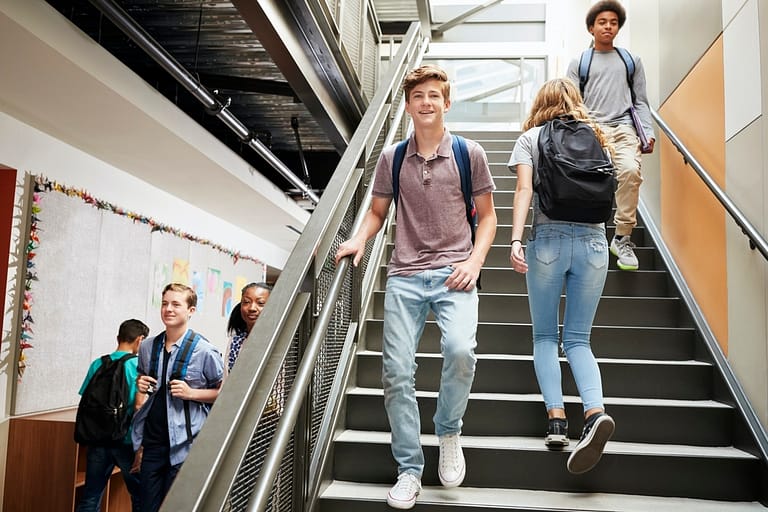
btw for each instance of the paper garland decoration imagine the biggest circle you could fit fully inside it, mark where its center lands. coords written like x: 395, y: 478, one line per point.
x: 43, y: 184
x: 30, y: 275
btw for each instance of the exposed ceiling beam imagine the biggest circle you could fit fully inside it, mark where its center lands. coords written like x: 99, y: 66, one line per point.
x: 297, y: 42
x: 425, y: 16
x: 458, y: 20
x: 211, y: 102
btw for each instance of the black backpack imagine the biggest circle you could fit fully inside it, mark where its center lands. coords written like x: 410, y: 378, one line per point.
x: 575, y: 178
x: 105, y: 411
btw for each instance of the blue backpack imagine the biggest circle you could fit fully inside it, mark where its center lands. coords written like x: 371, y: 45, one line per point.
x: 461, y: 154
x: 179, y: 370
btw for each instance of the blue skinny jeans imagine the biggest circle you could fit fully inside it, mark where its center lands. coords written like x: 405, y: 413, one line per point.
x: 574, y: 256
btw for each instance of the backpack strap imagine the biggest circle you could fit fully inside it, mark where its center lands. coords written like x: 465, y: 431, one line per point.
x: 629, y: 63
x: 461, y: 154
x: 585, y: 62
x: 180, y: 371
x: 185, y: 354
x: 397, y: 163
x: 157, y: 348
x: 126, y: 357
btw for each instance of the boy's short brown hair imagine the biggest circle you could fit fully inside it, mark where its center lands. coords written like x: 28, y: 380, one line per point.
x: 178, y: 287
x: 606, y: 5
x: 422, y: 74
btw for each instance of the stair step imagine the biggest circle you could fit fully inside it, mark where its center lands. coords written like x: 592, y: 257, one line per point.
x: 662, y: 421
x: 641, y: 283
x: 504, y: 230
x: 673, y: 449
x: 525, y: 463
x: 498, y: 256
x: 504, y: 233
x: 612, y: 310
x: 671, y: 343
x: 504, y: 182
x: 501, y: 373
x: 344, y: 496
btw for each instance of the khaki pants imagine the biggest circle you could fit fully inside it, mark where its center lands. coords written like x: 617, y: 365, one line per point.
x: 626, y: 147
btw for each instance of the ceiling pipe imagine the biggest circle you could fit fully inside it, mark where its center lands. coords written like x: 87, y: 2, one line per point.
x: 302, y: 160
x: 212, y: 104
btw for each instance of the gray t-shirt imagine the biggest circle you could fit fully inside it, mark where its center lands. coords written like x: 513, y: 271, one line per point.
x: 432, y: 228
x: 526, y: 151
x: 607, y: 94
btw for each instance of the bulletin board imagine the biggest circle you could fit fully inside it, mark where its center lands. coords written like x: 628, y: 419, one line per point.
x: 92, y: 265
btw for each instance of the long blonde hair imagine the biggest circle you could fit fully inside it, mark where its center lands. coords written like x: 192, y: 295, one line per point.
x: 560, y: 97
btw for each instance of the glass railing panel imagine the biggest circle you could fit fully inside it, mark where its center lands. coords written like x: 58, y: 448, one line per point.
x: 491, y: 94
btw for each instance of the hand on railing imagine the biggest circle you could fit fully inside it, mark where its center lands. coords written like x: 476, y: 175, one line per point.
x: 352, y: 247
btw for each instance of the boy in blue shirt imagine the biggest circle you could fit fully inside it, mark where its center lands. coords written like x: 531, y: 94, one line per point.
x: 177, y: 407
x: 101, y: 460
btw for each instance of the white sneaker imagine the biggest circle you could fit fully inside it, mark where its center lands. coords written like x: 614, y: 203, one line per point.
x: 403, y: 494
x: 623, y: 249
x: 452, y: 467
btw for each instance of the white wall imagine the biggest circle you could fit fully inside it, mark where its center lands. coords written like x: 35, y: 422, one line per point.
x: 28, y: 149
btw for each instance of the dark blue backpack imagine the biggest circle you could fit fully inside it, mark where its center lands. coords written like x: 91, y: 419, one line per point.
x: 179, y: 370
x: 461, y: 154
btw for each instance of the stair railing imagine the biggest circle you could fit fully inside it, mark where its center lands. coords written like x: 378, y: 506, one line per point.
x: 756, y: 429
x: 756, y: 241
x: 312, y: 303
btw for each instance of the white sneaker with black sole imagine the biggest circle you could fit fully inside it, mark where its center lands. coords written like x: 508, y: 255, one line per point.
x: 598, y: 429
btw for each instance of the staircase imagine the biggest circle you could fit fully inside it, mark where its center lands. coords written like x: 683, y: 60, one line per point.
x: 675, y: 444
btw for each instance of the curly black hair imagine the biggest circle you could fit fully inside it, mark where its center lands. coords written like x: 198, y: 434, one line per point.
x: 606, y: 5
x: 236, y: 322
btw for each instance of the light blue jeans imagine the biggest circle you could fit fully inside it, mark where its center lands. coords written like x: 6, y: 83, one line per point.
x: 407, y: 302
x: 574, y: 255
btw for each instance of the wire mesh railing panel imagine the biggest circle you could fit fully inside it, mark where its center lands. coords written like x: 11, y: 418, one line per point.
x: 281, y: 498
x: 344, y: 309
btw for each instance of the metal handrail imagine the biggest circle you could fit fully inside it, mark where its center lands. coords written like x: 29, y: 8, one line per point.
x: 333, y: 411
x: 259, y: 498
x: 205, y: 478
x: 754, y: 425
x: 756, y: 241
x: 743, y: 404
